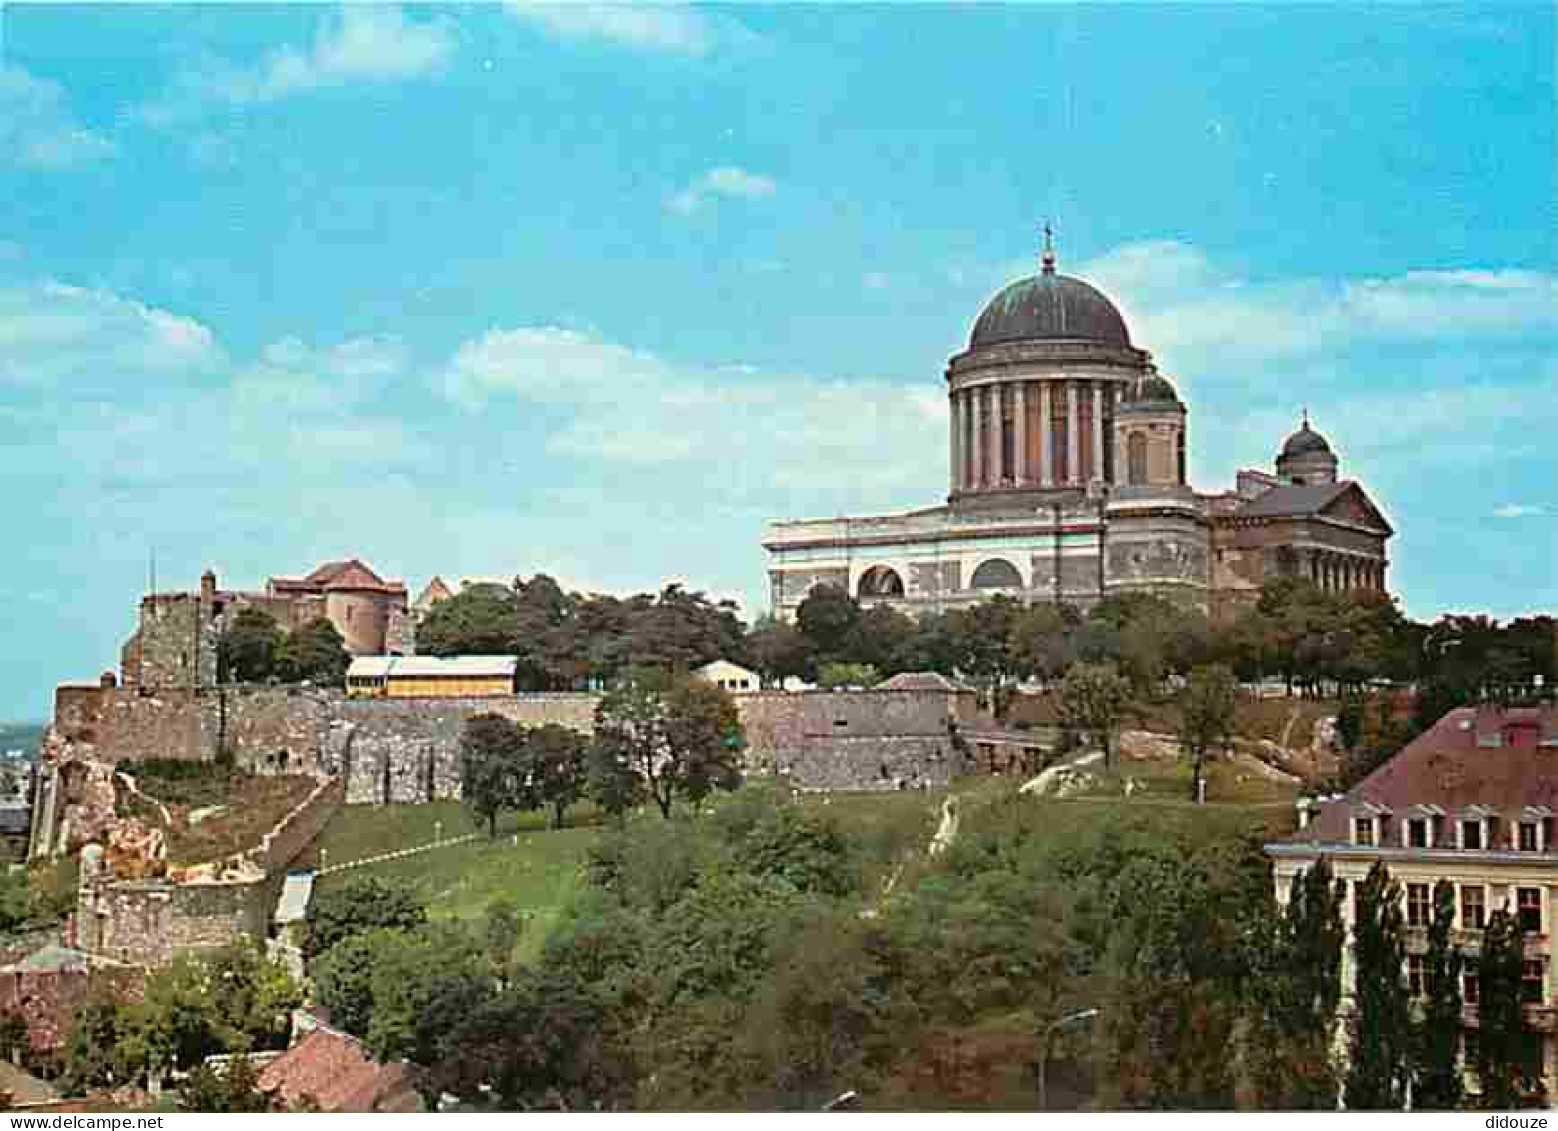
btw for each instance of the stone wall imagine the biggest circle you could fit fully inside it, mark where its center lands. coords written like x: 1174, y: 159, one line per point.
x: 148, y: 923
x: 408, y: 750
x: 852, y: 740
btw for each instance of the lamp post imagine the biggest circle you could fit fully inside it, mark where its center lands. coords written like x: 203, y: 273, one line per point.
x: 1044, y: 1043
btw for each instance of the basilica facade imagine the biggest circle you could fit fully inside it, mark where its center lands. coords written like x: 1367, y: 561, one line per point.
x: 1067, y: 483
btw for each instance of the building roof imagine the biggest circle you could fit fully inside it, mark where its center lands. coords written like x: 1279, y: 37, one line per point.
x: 1050, y: 307
x: 1505, y: 759
x: 1290, y: 500
x: 433, y: 592
x: 1152, y: 390
x: 919, y: 681
x: 296, y: 890
x: 352, y: 574
x: 1306, y: 441
x: 334, y: 1071
x: 405, y: 667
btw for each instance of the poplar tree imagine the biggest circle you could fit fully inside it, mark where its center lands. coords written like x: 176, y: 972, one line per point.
x: 1440, y: 1085
x: 1501, y: 1018
x: 1379, y: 1061
x: 1298, y: 996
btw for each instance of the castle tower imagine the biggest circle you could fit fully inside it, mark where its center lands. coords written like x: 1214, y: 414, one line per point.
x: 1149, y: 433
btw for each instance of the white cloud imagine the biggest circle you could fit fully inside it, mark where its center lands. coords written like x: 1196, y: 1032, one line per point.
x: 37, y: 128
x: 1518, y: 510
x: 51, y: 332
x: 360, y: 44
x: 1194, y: 314
x: 726, y: 180
x: 771, y: 430
x: 663, y: 28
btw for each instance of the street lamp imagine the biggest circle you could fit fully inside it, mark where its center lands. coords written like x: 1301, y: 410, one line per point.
x: 1044, y: 1043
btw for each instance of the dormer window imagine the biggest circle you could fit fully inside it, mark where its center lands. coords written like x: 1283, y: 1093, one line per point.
x: 1471, y: 834
x: 1529, y: 836
x: 1417, y: 832
x: 1363, y: 831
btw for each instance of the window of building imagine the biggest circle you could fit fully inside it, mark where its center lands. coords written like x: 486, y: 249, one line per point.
x: 1471, y: 988
x: 1419, y: 905
x: 1136, y: 459
x: 1363, y: 830
x: 1528, y: 902
x: 1473, y: 907
x: 1471, y: 834
x: 1417, y: 833
x: 1415, y: 975
x: 1528, y: 837
x: 1533, y: 981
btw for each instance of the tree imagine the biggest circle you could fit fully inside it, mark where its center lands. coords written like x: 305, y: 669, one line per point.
x: 1503, y: 1036
x: 1297, y: 997
x: 358, y: 905
x: 313, y: 652
x: 836, y: 674
x: 1093, y: 698
x: 492, y: 767
x: 679, y: 737
x: 502, y: 928
x: 978, y: 637
x: 233, y: 1088
x: 1207, y: 707
x: 827, y: 618
x: 1038, y: 642
x: 1439, y: 1079
x: 479, y: 620
x: 247, y: 650
x: 1379, y: 1065
x: 423, y: 982
x: 778, y: 650
x: 556, y: 768
x: 882, y: 639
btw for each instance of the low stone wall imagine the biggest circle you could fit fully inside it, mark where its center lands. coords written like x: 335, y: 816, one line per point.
x: 147, y: 923
x: 297, y: 829
x: 407, y: 750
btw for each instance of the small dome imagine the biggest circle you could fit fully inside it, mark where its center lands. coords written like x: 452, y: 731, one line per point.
x: 1150, y: 390
x: 1305, y: 442
x: 1050, y: 307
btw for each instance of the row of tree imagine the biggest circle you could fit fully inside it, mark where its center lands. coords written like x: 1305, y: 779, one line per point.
x: 659, y: 737
x: 254, y: 649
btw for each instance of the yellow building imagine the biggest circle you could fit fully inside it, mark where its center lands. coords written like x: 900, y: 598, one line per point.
x: 1471, y: 801
x: 430, y: 677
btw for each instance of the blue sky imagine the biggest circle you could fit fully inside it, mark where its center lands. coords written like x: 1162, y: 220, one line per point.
x: 597, y: 291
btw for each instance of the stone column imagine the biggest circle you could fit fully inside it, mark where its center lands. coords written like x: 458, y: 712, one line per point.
x: 1046, y: 439
x: 1020, y: 425
x: 994, y: 444
x: 952, y: 441
x: 976, y: 468
x: 959, y: 446
x: 1098, y: 430
x: 1073, y: 431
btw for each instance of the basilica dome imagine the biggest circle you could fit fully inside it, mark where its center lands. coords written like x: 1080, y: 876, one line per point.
x: 1306, y: 441
x: 1050, y: 307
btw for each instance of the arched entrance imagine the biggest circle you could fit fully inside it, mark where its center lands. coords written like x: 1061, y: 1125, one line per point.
x: 997, y: 573
x: 880, y: 581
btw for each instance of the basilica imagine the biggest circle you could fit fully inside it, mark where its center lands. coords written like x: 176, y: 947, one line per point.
x: 1067, y: 483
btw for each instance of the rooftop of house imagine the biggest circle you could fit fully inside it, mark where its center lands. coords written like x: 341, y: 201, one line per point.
x: 1489, y: 760
x: 423, y: 667
x: 352, y: 574
x: 334, y: 1071
x: 919, y: 681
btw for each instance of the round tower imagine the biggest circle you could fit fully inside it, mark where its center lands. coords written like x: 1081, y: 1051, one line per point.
x: 1149, y: 433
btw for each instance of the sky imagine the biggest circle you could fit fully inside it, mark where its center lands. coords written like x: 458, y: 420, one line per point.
x: 597, y: 292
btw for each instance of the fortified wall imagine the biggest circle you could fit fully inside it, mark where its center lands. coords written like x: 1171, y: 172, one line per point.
x: 147, y: 922
x: 407, y: 750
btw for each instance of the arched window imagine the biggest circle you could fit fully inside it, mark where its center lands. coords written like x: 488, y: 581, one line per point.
x: 1136, y: 459
x: 996, y: 574
x: 880, y: 581
x: 1179, y: 454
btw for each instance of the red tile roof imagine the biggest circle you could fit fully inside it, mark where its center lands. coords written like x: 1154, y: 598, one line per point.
x: 1505, y: 759
x: 349, y: 574
x: 334, y: 1071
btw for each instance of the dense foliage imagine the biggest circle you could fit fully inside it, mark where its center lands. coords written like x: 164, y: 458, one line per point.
x: 254, y: 649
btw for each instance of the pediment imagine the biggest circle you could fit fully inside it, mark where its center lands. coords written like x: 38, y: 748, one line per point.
x: 1354, y: 506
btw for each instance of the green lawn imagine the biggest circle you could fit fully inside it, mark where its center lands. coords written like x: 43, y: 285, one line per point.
x: 528, y: 865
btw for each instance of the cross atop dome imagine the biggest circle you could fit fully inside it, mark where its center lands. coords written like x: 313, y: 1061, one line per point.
x: 1048, y: 258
